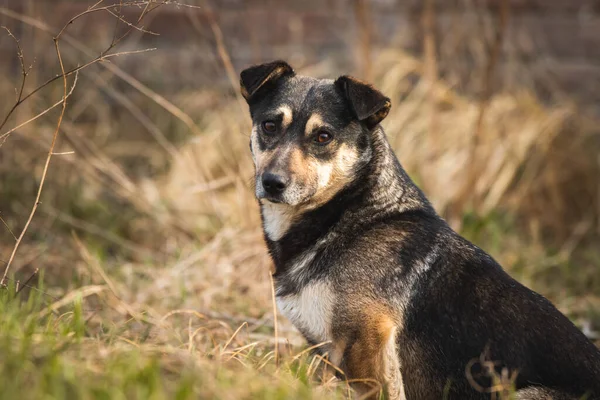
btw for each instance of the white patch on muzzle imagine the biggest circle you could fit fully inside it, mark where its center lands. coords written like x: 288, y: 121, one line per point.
x: 277, y: 219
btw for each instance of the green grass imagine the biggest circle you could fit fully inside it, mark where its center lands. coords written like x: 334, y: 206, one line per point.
x: 59, y: 355
x: 48, y: 357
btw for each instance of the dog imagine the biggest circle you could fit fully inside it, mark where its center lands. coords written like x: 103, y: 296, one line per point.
x: 366, y: 268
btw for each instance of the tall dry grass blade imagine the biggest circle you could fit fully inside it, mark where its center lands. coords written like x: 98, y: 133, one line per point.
x: 84, y: 292
x: 487, y: 88
x: 224, y: 57
x: 431, y: 73
x: 244, y: 324
x: 365, y: 33
x: 275, y: 325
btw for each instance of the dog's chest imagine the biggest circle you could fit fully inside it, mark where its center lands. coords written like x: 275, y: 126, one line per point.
x: 310, y: 310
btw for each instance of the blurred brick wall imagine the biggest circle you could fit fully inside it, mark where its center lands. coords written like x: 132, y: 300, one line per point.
x: 559, y: 37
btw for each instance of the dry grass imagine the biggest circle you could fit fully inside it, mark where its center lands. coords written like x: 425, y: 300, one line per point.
x: 149, y: 241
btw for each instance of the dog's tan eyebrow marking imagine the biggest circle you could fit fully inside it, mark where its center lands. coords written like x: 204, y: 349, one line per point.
x: 286, y: 112
x: 315, y: 121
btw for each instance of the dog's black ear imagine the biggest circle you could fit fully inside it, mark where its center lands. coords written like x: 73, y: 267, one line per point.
x: 258, y: 78
x: 369, y: 104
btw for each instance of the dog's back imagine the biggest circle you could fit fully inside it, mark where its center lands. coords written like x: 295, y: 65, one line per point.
x: 466, y: 314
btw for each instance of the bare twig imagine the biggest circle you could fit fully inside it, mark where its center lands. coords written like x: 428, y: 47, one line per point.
x: 24, y: 73
x: 8, y: 227
x: 171, y: 108
x: 5, y: 135
x: 26, y: 283
x: 46, y: 165
x: 63, y: 102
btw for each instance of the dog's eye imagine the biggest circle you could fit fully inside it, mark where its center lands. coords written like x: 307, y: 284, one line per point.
x: 323, y: 137
x: 269, y: 127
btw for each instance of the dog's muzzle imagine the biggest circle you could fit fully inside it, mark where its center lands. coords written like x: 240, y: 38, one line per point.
x: 272, y: 186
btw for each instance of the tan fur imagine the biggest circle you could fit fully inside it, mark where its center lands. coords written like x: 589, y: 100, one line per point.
x: 314, y: 121
x: 332, y: 176
x: 371, y: 361
x: 298, y: 165
x: 329, y: 177
x: 260, y: 158
x: 286, y: 119
x: 244, y: 92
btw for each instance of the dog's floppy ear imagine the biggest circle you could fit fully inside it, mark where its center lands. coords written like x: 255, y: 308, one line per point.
x: 369, y: 104
x: 257, y: 78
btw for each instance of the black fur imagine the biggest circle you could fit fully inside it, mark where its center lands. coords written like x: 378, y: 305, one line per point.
x: 254, y: 78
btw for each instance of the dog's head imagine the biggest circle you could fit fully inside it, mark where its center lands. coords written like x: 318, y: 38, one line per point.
x: 309, y: 136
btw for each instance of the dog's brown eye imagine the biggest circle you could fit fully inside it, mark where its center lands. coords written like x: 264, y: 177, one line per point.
x: 323, y: 137
x: 269, y: 127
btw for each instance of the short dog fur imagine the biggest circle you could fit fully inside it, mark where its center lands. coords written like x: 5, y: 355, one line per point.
x: 364, y: 264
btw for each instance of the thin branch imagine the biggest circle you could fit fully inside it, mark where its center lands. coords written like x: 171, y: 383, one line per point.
x: 64, y: 74
x: 26, y: 283
x: 114, y: 38
x: 48, y: 158
x: 8, y: 227
x: 4, y: 136
x: 68, y: 73
x: 95, y: 5
x: 103, y: 56
x: 24, y: 73
x: 144, y: 12
x: 137, y: 28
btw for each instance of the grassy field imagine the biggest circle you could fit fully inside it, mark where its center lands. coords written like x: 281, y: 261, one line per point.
x: 143, y: 273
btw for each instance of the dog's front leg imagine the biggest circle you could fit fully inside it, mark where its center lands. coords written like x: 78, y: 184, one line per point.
x: 335, y: 354
x: 371, y: 362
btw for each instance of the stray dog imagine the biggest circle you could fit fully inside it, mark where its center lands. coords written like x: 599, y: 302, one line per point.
x: 364, y: 264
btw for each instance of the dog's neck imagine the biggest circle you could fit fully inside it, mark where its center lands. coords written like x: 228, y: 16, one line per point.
x: 381, y: 188
x: 388, y: 185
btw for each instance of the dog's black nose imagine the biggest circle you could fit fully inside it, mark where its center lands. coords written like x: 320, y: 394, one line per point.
x: 274, y: 184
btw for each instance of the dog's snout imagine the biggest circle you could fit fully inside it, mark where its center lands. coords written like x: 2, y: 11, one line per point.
x: 274, y: 184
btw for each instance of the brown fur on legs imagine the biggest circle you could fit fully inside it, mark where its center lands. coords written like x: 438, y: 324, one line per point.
x: 371, y: 361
